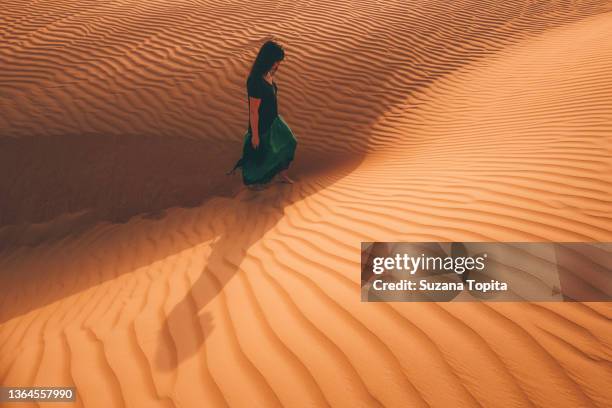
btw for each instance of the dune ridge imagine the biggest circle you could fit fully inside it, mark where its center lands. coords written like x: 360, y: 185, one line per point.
x: 425, y: 121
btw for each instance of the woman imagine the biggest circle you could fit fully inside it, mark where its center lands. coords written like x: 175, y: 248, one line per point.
x: 269, y: 145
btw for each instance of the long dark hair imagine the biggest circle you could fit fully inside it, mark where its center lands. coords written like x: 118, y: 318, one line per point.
x: 269, y: 53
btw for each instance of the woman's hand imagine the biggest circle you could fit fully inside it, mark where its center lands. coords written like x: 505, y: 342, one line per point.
x: 255, y: 141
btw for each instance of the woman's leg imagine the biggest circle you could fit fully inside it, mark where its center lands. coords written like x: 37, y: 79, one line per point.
x: 257, y: 187
x: 285, y: 177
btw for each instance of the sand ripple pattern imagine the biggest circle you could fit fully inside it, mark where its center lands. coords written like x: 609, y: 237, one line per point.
x: 468, y: 120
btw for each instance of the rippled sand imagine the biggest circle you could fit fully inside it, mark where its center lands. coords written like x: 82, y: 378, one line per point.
x: 133, y: 268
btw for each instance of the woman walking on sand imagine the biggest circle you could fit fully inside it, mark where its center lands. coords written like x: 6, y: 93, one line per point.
x: 269, y: 145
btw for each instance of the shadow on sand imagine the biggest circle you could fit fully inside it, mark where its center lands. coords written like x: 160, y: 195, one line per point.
x: 246, y: 219
x: 250, y: 215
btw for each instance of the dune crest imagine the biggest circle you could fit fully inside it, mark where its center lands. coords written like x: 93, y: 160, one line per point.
x: 142, y: 275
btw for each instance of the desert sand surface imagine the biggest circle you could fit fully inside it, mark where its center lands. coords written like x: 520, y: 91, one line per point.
x: 132, y: 268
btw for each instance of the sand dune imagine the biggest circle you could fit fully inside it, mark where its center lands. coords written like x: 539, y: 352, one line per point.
x: 137, y: 271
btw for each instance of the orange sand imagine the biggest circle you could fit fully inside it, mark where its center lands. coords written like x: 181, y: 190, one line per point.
x: 133, y: 268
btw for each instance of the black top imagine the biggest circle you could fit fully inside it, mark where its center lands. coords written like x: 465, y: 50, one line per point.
x: 257, y: 87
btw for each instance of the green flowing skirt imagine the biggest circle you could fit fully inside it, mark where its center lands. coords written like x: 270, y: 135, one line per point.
x: 274, y: 153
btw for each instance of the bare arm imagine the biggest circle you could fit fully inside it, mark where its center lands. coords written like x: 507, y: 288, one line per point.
x: 254, y: 120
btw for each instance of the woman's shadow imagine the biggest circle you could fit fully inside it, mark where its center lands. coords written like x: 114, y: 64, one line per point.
x: 242, y: 222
